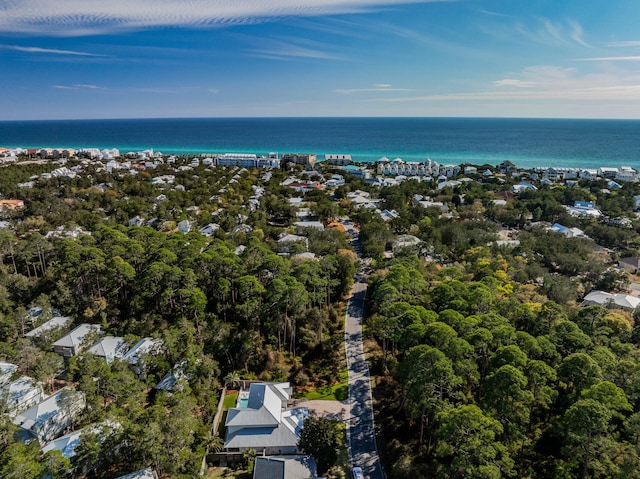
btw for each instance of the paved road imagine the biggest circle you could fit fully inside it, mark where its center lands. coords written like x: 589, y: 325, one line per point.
x: 361, y: 436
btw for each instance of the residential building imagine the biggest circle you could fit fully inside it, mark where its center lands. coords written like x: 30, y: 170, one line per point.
x: 135, y: 356
x: 109, y: 348
x: 54, y: 323
x: 287, y: 241
x: 137, y: 221
x: 306, y: 159
x: 357, y: 171
x: 48, y: 419
x: 21, y: 394
x: 265, y: 424
x: 301, y: 225
x: 611, y: 300
x: 568, y: 232
x: 285, y: 467
x: 337, y: 160
x: 184, y: 226
x: 147, y: 473
x: 210, y: 229
x: 248, y: 160
x: 626, y: 174
x: 68, y: 443
x: 6, y: 371
x: 608, y: 172
x: 74, y: 342
x: 630, y: 264
x: 583, y: 208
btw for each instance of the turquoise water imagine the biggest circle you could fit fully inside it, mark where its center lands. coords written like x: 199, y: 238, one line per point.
x: 526, y: 142
x: 242, y: 402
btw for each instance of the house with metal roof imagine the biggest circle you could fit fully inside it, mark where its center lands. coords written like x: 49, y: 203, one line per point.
x: 6, y: 371
x: 109, y: 348
x: 67, y: 444
x: 147, y: 473
x: 21, y: 394
x: 611, y: 300
x: 135, y: 356
x: 54, y: 323
x: 74, y: 342
x: 285, y: 467
x: 48, y: 419
x: 265, y: 424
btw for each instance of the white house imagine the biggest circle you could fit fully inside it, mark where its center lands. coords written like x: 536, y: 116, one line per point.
x: 210, y: 229
x: 74, y: 342
x: 109, y: 348
x: 6, y: 371
x: 147, y: 473
x: 184, y: 226
x: 68, y: 443
x: 48, y: 419
x: 21, y: 394
x: 135, y: 356
x: 611, y: 300
x: 265, y: 424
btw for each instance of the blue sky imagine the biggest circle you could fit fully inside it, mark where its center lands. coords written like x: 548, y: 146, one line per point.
x: 244, y: 58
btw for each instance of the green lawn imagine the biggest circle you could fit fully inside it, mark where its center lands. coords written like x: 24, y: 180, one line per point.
x: 230, y: 401
x: 337, y: 392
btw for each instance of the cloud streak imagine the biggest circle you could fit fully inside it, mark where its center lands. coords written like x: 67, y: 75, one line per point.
x: 89, y: 17
x: 544, y: 82
x: 79, y: 86
x: 52, y: 51
x: 380, y: 87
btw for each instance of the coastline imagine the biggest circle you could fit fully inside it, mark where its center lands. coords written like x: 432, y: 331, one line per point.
x: 528, y: 143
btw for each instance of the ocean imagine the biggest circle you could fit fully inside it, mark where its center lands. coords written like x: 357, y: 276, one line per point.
x: 526, y: 142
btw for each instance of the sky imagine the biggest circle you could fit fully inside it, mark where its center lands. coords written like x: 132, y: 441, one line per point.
x: 78, y: 59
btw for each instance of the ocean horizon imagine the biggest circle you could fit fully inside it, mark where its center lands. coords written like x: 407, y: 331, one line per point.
x: 527, y: 142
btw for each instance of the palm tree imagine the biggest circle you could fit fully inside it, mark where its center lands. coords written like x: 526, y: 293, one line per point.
x: 232, y: 380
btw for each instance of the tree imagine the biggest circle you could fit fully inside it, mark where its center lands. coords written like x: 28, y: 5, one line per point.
x: 585, y: 421
x: 21, y: 461
x: 468, y: 445
x: 323, y: 439
x: 429, y: 381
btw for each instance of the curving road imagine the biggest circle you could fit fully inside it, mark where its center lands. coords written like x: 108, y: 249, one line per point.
x: 361, y: 435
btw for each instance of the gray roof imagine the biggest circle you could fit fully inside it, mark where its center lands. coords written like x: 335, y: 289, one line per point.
x: 285, y: 467
x: 147, y: 473
x: 22, y: 393
x: 6, y: 371
x: 68, y: 443
x: 109, y: 348
x: 75, y: 337
x: 46, y: 420
x: 265, y: 422
x: 144, y: 346
x: 56, y: 322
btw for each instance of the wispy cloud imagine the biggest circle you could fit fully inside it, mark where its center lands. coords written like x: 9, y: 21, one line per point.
x: 85, y: 17
x: 286, y: 48
x: 629, y: 43
x: 51, y: 51
x: 515, y: 83
x: 491, y: 13
x: 577, y: 33
x: 79, y: 86
x: 634, y: 58
x: 553, y: 33
x: 380, y: 87
x: 544, y: 82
